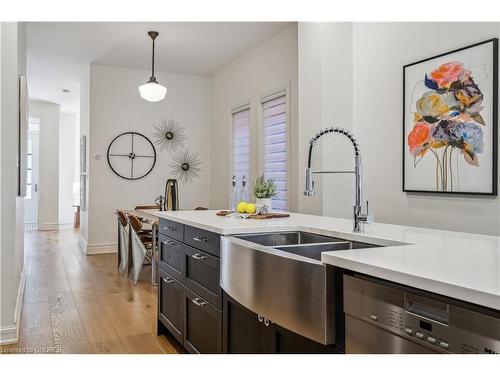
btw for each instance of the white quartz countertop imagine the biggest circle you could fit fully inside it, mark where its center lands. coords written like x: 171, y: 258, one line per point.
x: 465, y: 266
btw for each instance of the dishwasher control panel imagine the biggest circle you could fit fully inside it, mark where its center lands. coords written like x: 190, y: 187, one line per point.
x: 440, y: 324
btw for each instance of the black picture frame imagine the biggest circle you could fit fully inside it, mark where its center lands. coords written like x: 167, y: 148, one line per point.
x: 494, y: 187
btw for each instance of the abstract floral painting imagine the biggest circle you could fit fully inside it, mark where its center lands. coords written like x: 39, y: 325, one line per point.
x: 450, y: 122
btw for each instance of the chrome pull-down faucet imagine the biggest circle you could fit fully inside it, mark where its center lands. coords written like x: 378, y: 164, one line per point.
x: 360, y: 218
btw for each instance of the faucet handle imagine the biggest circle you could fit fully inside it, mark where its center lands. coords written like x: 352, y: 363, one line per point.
x: 367, y: 218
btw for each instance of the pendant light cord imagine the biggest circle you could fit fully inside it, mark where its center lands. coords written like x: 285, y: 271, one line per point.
x: 153, y: 60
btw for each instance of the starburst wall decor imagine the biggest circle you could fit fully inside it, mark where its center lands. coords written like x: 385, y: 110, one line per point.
x: 186, y: 166
x: 170, y: 136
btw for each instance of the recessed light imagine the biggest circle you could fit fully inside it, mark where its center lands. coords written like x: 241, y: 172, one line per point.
x: 65, y: 91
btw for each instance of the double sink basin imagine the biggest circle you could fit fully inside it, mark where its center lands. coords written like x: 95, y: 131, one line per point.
x: 280, y: 276
x: 306, y: 244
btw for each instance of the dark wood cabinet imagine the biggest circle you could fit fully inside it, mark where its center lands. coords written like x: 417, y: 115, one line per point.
x: 244, y: 331
x: 203, y: 325
x: 287, y: 342
x: 202, y: 273
x: 204, y: 240
x: 171, y: 229
x: 171, y: 257
x: 189, y: 293
x: 171, y: 305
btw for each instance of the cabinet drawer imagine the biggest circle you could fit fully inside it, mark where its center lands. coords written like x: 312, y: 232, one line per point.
x: 203, y: 325
x: 171, y: 306
x: 203, y: 240
x: 202, y: 274
x: 171, y: 257
x: 171, y: 229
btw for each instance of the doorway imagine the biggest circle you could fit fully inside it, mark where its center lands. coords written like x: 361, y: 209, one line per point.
x: 31, y: 199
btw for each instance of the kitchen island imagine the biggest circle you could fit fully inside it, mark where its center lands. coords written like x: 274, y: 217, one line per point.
x: 462, y: 266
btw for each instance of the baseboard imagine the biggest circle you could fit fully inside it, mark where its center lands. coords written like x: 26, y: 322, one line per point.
x: 20, y: 296
x: 10, y: 334
x: 48, y: 226
x: 107, y: 248
x: 99, y: 248
x: 82, y: 244
x: 30, y: 226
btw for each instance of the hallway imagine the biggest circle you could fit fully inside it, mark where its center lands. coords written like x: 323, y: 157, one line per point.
x: 75, y: 303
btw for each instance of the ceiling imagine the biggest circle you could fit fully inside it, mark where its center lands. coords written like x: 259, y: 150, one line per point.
x: 59, y: 52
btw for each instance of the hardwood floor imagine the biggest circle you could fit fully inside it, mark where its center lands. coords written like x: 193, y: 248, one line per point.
x: 75, y: 303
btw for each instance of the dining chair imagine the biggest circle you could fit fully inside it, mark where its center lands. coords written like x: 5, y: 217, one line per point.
x: 123, y: 238
x: 142, y: 247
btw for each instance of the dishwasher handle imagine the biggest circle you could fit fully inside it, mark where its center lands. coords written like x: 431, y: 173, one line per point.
x: 435, y: 311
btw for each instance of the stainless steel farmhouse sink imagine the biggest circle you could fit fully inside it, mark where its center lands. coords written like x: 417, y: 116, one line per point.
x: 280, y: 276
x: 286, y: 238
x: 305, y: 244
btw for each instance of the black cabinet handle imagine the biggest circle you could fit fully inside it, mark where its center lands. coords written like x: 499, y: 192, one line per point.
x: 168, y: 280
x: 198, y: 257
x: 199, y: 302
x: 200, y: 239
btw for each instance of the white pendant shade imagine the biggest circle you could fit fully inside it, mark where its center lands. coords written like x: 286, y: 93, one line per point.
x: 152, y: 91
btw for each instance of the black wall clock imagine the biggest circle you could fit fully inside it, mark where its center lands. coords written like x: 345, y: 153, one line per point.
x: 131, y: 156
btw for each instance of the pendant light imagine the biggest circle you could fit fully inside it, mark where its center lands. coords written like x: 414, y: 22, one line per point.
x: 152, y: 91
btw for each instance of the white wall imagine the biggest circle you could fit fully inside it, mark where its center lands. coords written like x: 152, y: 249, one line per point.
x: 13, y: 64
x: 116, y: 107
x: 48, y: 173
x: 68, y: 173
x: 310, y: 83
x: 269, y: 66
x: 325, y: 100
x: 379, y: 51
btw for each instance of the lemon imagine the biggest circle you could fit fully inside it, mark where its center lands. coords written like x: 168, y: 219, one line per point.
x: 250, y: 208
x: 241, y: 207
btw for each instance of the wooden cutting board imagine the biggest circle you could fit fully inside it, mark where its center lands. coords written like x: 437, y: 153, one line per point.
x: 258, y: 217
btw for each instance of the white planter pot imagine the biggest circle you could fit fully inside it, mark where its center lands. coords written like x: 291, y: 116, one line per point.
x: 265, y: 204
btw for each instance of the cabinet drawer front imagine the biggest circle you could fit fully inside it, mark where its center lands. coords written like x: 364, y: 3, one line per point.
x: 202, y: 274
x: 171, y: 257
x: 171, y: 307
x: 203, y: 240
x: 171, y: 229
x: 203, y: 325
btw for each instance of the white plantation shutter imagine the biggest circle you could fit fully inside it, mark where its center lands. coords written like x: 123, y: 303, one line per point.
x: 275, y: 146
x: 241, y: 142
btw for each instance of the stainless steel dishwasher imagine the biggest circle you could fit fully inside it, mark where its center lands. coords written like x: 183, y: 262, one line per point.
x: 382, y: 317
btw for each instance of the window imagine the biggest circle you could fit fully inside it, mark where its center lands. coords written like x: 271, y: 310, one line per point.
x: 241, y: 142
x: 271, y: 133
x: 275, y: 145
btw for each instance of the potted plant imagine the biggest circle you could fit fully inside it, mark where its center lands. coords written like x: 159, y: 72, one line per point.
x: 264, y: 189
